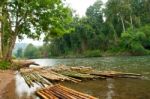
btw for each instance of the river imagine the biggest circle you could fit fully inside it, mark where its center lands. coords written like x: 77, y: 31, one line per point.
x: 122, y: 88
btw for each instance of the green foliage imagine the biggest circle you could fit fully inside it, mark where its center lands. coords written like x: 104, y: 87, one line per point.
x: 137, y: 40
x: 87, y: 34
x: 120, y: 31
x: 32, y: 18
x: 19, y: 53
x: 121, y: 27
x: 31, y: 52
x: 5, y: 65
x: 92, y: 53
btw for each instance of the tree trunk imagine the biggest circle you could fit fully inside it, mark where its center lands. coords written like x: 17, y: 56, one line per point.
x: 8, y: 36
x: 0, y: 34
x: 0, y: 45
x: 115, y: 34
x: 123, y: 26
x: 7, y: 49
x: 131, y: 21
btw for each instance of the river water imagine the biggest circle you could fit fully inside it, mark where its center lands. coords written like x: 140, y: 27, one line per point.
x: 122, y: 88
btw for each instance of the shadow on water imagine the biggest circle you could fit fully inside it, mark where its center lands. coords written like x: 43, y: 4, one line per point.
x: 18, y: 89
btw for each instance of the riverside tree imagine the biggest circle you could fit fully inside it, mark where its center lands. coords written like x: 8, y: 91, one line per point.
x: 118, y: 26
x: 30, y: 18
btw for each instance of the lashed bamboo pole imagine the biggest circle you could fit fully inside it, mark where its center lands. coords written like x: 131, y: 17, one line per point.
x: 70, y: 93
x: 51, y: 95
x: 70, y: 90
x: 42, y: 95
x: 31, y: 78
x: 62, y: 92
x: 113, y: 74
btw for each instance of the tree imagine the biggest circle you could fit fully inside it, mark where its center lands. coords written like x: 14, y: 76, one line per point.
x: 31, y: 52
x: 136, y: 41
x: 31, y: 18
x: 19, y: 53
x: 121, y: 24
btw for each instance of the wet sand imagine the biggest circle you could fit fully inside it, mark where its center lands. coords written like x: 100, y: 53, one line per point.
x: 6, y: 77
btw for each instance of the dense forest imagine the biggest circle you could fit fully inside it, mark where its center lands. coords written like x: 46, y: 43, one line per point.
x: 119, y: 27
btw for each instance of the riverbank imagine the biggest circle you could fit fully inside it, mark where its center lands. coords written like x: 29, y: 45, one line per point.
x: 104, y: 54
x: 6, y: 77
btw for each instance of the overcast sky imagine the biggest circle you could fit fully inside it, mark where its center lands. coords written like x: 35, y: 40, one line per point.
x: 79, y: 6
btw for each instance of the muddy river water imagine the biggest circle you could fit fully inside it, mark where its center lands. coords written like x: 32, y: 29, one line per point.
x: 122, y: 88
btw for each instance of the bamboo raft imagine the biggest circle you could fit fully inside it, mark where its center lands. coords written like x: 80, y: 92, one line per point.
x: 53, y: 76
x: 44, y: 77
x: 31, y: 78
x: 90, y: 73
x: 78, y: 75
x: 73, y: 74
x: 115, y: 74
x: 61, y: 92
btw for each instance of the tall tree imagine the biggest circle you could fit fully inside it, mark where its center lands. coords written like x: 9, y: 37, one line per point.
x: 31, y: 18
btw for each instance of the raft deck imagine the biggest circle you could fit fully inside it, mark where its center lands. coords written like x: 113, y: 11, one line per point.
x: 61, y: 92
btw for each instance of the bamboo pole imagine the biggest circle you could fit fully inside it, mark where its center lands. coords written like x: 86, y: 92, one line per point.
x: 70, y: 90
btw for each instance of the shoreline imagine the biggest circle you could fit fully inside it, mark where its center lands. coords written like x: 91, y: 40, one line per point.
x: 6, y: 77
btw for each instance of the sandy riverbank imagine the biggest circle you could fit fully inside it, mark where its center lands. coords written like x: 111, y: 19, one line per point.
x: 6, y: 77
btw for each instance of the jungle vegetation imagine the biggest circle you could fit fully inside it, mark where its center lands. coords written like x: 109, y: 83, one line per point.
x: 119, y: 27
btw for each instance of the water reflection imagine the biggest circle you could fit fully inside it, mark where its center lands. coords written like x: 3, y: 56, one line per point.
x: 110, y: 87
x: 103, y: 89
x: 22, y: 88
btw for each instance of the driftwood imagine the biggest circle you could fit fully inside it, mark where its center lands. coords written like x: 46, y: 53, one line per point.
x: 61, y: 92
x: 24, y: 63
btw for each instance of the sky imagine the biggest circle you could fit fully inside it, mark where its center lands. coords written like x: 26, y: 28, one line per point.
x: 79, y: 6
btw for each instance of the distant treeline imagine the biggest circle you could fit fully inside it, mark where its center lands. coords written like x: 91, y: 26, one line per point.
x: 32, y: 52
x: 120, y: 27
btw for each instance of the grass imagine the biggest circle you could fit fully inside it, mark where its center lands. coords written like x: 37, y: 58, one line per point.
x: 5, y: 65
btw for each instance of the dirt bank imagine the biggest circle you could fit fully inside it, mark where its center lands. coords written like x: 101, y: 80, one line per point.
x: 6, y: 76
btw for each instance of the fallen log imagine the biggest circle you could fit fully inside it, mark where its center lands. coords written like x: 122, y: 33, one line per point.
x: 23, y: 63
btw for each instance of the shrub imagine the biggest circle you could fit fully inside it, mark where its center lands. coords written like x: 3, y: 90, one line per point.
x: 92, y: 53
x: 5, y: 65
x: 136, y: 40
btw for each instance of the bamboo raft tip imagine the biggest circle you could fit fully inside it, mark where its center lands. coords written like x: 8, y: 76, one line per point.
x: 61, y: 92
